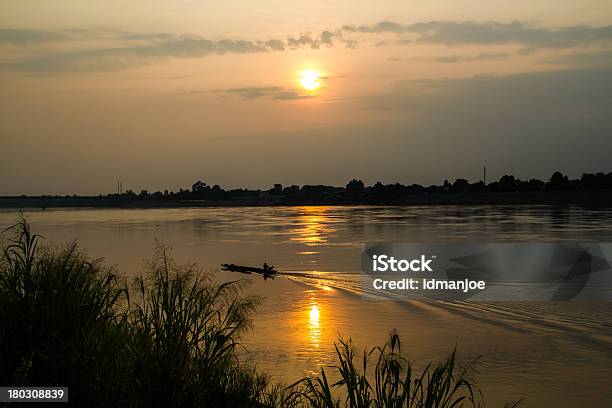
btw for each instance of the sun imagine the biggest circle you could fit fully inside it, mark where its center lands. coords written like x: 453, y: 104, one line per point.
x: 310, y: 79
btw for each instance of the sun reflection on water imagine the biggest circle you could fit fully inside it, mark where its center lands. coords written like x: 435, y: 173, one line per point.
x: 315, y: 330
x: 314, y: 315
x: 314, y: 226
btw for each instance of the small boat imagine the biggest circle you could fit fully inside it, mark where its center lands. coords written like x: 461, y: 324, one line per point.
x: 266, y: 271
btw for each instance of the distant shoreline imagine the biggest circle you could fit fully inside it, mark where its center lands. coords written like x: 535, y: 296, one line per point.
x: 593, y: 198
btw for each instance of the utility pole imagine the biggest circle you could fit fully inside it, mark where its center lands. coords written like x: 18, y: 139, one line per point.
x: 484, y: 175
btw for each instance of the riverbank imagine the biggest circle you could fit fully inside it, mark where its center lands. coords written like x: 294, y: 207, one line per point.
x: 589, y: 198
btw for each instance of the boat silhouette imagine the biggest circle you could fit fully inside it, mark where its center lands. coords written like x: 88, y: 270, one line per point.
x: 266, y: 271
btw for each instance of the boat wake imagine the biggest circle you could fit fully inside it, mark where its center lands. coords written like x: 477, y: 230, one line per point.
x: 587, y: 322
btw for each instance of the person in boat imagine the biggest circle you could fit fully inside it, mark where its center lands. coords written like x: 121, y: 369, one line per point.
x: 268, y: 271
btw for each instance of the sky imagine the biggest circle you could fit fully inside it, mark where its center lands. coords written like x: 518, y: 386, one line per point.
x: 160, y: 94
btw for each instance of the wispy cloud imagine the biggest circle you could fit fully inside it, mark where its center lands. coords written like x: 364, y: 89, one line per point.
x: 137, y: 48
x: 102, y: 59
x: 473, y: 32
x: 449, y: 59
x: 273, y: 92
x: 22, y: 37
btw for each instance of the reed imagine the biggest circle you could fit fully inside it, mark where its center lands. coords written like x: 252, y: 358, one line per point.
x: 184, y: 332
x: 390, y: 383
x: 60, y: 321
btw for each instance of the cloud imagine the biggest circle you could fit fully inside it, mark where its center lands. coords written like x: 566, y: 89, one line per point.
x: 449, y: 59
x: 469, y: 58
x: 25, y: 37
x: 137, y: 48
x: 378, y: 28
x: 473, y: 32
x: 103, y: 59
x: 276, y: 45
x: 453, y: 33
x: 273, y: 92
x: 327, y: 38
x: 304, y: 40
x: 140, y: 48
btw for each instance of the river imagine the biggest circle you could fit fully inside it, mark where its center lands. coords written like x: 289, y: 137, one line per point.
x: 549, y: 353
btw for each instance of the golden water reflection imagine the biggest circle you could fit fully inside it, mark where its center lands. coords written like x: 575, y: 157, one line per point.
x: 314, y: 226
x: 314, y: 326
x: 314, y: 319
x: 317, y: 322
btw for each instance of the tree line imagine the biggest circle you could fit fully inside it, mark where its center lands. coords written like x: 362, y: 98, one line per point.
x: 356, y: 188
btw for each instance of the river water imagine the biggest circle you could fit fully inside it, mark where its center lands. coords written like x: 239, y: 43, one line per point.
x: 549, y: 353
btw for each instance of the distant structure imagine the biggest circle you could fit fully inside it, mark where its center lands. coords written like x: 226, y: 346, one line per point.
x: 119, y: 187
x: 484, y: 175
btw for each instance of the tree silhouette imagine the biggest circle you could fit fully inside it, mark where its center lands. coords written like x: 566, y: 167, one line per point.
x: 558, y: 181
x: 355, y: 187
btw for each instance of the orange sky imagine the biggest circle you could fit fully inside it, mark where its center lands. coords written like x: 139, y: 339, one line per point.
x: 160, y: 93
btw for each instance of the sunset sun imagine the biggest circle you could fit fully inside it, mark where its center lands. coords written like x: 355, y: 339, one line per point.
x: 310, y: 79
